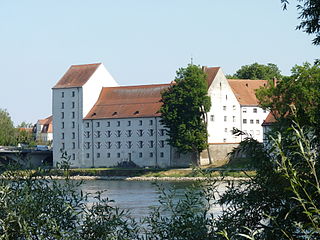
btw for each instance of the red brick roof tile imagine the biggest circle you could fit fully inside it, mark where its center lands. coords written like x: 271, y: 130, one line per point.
x: 77, y: 75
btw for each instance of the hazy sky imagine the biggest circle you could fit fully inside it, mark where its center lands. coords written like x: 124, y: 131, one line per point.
x: 139, y: 42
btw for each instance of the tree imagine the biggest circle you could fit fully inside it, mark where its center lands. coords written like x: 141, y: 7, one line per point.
x: 309, y: 14
x: 7, y: 130
x: 258, y: 71
x: 185, y: 104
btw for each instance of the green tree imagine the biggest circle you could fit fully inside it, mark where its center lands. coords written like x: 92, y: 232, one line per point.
x: 7, y: 130
x: 309, y: 14
x: 184, y: 110
x: 257, y: 71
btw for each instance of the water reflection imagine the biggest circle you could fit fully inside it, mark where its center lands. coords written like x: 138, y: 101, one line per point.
x: 139, y: 196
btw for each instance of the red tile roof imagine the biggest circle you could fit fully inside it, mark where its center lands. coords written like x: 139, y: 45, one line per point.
x: 77, y: 75
x: 269, y: 120
x: 245, y: 90
x: 128, y: 102
x: 47, y: 124
x: 211, y: 73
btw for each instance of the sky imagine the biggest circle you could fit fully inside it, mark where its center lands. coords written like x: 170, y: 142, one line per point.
x: 138, y: 41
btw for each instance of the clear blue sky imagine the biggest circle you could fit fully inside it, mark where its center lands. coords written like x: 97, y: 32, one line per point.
x: 139, y: 42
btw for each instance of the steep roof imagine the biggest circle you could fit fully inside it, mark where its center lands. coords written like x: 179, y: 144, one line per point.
x: 128, y: 102
x: 77, y: 75
x: 47, y: 124
x: 211, y: 73
x: 245, y: 90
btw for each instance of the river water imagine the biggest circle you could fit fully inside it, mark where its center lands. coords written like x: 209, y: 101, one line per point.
x: 139, y: 196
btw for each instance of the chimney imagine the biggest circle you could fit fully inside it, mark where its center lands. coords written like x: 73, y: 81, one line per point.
x: 274, y: 81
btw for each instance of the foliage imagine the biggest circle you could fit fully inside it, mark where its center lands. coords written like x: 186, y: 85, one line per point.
x: 184, y: 109
x: 309, y: 14
x: 7, y: 130
x: 301, y: 90
x: 258, y: 71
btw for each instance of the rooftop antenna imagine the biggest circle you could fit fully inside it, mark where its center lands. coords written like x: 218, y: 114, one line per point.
x: 191, y: 60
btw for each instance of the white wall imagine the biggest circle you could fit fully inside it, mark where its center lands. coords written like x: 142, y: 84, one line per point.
x: 96, y: 133
x: 92, y: 88
x: 224, y: 113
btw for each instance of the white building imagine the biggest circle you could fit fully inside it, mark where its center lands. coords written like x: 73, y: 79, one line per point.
x: 43, y: 130
x: 100, y: 124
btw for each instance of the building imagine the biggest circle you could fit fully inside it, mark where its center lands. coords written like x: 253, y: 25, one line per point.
x: 43, y: 130
x: 102, y: 124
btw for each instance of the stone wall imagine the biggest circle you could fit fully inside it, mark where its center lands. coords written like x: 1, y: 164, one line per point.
x: 219, y: 153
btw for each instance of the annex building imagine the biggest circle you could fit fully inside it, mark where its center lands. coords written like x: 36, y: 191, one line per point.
x: 101, y: 124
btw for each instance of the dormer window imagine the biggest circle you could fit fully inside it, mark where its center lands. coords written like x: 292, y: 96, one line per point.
x: 114, y: 113
x: 136, y: 112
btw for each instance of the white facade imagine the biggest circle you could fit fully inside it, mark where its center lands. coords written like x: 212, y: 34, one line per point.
x: 94, y: 141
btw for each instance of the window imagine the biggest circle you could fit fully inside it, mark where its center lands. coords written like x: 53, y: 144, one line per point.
x: 108, y: 145
x: 151, y: 122
x: 226, y: 97
x: 73, y: 105
x: 108, y: 133
x: 98, y: 155
x: 118, y: 123
x: 62, y: 105
x: 226, y: 130
x: 73, y: 94
x: 87, y: 155
x: 129, y: 123
x: 118, y: 133
x: 161, y: 143
x: 62, y: 125
x: 251, y: 121
x: 255, y: 110
x: 98, y: 124
x: 233, y: 107
x: 73, y: 156
x: 73, y: 114
x: 151, y: 144
x: 140, y: 144
x: 161, y: 132
x: 244, y: 121
x: 129, y: 144
x: 224, y: 108
x: 161, y: 154
x: 87, y: 145
x: 108, y: 124
x: 87, y: 134
x: 62, y: 94
x: 140, y: 122
x: 62, y: 146
x: 118, y: 144
x: 150, y: 132
x: 73, y: 124
x: 140, y: 154
x: 98, y: 145
x: 108, y: 155
x: 264, y: 111
x: 151, y: 154
x: 73, y: 145
x: 62, y: 115
x: 257, y: 132
x: 62, y: 136
x: 257, y: 121
x: 233, y: 118
x: 225, y: 118
x: 224, y: 140
x: 212, y: 118
x: 244, y: 110
x: 73, y: 135
x: 140, y: 132
x: 128, y: 133
x: 87, y: 124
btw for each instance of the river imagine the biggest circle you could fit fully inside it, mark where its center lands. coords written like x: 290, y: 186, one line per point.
x: 139, y: 196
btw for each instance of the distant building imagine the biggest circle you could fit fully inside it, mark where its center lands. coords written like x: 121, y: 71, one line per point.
x: 100, y: 123
x: 43, y: 130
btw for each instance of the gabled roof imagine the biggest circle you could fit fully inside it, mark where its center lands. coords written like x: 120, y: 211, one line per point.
x: 269, y: 120
x: 47, y: 124
x: 211, y: 73
x: 77, y: 75
x: 128, y: 102
x: 245, y: 90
